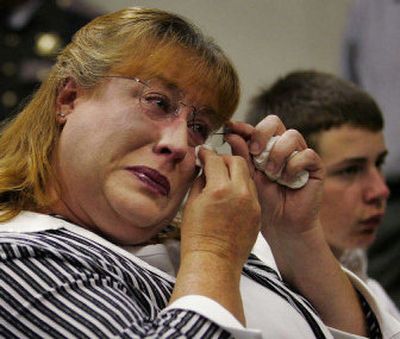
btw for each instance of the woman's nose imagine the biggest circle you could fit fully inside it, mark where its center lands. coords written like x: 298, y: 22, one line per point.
x: 173, y: 141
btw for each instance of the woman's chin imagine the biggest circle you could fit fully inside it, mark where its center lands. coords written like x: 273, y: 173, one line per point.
x: 130, y: 233
x: 138, y: 215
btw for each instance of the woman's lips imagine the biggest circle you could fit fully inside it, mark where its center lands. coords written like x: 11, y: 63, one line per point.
x: 152, y: 178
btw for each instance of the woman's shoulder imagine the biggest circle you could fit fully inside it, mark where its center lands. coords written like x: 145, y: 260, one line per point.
x: 37, y: 237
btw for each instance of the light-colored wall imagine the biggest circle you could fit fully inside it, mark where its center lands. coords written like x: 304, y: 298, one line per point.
x: 264, y: 38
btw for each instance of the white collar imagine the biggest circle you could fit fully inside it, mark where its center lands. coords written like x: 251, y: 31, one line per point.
x: 26, y: 222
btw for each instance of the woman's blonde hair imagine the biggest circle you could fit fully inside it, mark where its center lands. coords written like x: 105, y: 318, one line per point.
x: 143, y: 42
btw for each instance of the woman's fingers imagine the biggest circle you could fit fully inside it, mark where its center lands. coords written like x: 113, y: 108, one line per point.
x: 240, y: 148
x: 257, y: 136
x: 305, y: 160
x: 222, y: 214
x: 264, y: 130
x: 270, y: 148
x: 248, y: 141
x: 282, y: 150
x: 220, y: 170
x: 214, y: 167
x: 238, y: 170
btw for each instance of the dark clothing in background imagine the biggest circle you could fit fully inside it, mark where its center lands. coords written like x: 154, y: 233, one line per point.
x: 30, y: 36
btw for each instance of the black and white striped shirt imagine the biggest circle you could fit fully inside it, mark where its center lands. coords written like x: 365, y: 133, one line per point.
x: 64, y: 281
x: 57, y: 283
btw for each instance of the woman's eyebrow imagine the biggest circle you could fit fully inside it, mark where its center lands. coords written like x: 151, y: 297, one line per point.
x: 167, y: 83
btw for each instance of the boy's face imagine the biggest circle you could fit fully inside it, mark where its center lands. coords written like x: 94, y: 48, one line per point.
x: 355, y: 191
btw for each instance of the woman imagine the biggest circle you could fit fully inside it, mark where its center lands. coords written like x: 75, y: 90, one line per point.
x: 102, y: 158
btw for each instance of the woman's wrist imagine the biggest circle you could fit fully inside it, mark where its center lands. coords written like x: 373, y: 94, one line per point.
x: 207, y: 274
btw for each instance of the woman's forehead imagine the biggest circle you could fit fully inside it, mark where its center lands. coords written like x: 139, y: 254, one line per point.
x: 195, y: 93
x: 190, y: 73
x: 173, y: 63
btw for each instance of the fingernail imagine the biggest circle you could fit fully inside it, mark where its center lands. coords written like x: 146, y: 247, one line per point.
x: 270, y: 168
x: 209, y: 147
x: 254, y: 148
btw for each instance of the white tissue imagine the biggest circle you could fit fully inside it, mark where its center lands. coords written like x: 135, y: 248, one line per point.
x: 261, y: 160
x: 196, y: 154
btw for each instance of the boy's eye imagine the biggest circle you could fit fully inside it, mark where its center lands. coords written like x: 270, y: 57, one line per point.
x: 380, y: 163
x: 350, y: 171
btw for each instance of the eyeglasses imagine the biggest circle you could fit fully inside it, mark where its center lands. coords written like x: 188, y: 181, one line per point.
x: 161, y: 101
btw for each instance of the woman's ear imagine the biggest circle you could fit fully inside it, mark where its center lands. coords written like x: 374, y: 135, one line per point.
x: 66, y: 99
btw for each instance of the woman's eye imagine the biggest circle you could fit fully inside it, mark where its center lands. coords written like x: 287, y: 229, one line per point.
x: 158, y: 103
x: 200, y: 130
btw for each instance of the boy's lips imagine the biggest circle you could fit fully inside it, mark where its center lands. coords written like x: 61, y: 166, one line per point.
x: 372, y: 222
x: 152, y: 178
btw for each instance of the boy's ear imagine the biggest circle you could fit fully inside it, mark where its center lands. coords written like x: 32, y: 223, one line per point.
x: 66, y: 98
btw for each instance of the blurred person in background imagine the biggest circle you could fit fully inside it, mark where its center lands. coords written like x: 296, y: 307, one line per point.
x: 345, y: 127
x: 371, y: 59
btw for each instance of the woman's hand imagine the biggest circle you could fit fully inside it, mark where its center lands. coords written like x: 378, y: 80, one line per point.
x: 285, y: 210
x: 290, y: 221
x: 219, y: 227
x: 222, y: 213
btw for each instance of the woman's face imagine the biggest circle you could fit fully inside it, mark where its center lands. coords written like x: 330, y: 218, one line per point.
x: 124, y: 164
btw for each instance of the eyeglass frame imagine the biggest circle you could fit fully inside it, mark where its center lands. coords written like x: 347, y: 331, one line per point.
x: 180, y: 103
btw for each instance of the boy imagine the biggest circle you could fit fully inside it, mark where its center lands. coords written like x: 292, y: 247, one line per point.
x: 345, y: 127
